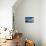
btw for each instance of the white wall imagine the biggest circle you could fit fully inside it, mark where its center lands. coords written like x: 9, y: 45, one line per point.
x: 30, y: 30
x: 43, y: 22
x: 24, y: 11
x: 6, y: 13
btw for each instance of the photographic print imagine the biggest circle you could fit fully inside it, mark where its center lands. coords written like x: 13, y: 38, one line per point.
x: 29, y: 19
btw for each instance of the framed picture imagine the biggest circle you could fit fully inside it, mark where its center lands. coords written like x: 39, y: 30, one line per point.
x: 29, y: 19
